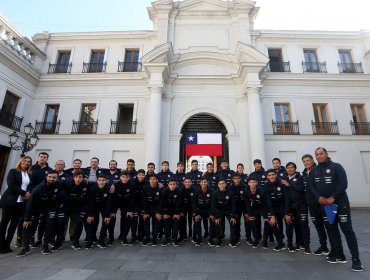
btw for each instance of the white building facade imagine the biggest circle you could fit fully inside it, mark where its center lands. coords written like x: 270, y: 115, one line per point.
x: 203, y: 67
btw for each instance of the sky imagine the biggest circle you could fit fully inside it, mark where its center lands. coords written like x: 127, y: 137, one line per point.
x: 111, y: 15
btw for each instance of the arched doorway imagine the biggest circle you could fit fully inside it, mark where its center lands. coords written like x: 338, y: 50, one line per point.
x: 204, y: 123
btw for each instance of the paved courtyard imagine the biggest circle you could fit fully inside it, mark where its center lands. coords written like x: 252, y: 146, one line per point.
x: 187, y: 262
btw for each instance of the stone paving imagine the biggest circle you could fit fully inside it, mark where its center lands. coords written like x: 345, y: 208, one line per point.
x: 188, y: 262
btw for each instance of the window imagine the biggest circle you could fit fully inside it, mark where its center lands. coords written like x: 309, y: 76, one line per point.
x: 50, y: 124
x: 125, y: 123
x: 87, y: 123
x: 345, y: 56
x: 358, y: 113
x: 97, y: 61
x: 87, y: 113
x: 311, y: 63
x: 276, y: 61
x: 282, y: 112
x: 62, y: 65
x: 131, y: 60
x: 10, y: 103
x: 320, y: 113
x: 7, y: 113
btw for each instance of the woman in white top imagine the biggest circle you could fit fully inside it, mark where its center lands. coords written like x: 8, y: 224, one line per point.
x: 13, y: 201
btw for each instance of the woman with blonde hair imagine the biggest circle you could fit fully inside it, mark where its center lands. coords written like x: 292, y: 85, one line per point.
x: 13, y: 201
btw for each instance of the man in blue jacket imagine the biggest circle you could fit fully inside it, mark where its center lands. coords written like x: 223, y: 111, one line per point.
x: 329, y: 184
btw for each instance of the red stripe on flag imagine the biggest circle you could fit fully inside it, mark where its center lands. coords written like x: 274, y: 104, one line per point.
x: 204, y: 150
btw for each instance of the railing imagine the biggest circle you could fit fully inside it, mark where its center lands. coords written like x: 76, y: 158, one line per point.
x: 285, y: 128
x: 129, y: 66
x: 277, y: 66
x: 117, y: 127
x: 319, y: 67
x: 9, y: 120
x: 47, y: 127
x: 94, y: 67
x: 360, y: 128
x: 59, y: 68
x: 84, y: 127
x: 325, y: 128
x: 350, y: 67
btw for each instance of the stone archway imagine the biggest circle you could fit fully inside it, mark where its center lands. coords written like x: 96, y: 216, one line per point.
x: 204, y: 123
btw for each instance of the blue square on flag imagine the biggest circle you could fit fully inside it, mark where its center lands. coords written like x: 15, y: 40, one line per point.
x: 191, y: 138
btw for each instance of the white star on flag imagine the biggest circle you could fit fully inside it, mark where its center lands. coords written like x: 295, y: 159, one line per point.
x: 191, y: 138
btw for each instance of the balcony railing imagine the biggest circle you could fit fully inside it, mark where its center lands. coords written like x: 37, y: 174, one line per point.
x: 94, y: 67
x: 360, y: 128
x: 84, y: 127
x: 59, y: 68
x: 9, y: 120
x: 350, y: 67
x: 117, y: 127
x: 319, y: 67
x: 129, y: 66
x: 47, y: 127
x: 285, y: 128
x: 325, y: 128
x: 276, y: 66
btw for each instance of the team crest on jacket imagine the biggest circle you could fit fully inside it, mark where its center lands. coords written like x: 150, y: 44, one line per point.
x: 157, y: 193
x: 128, y: 190
x: 214, y: 178
x: 227, y: 197
x: 208, y: 195
x: 241, y: 192
x: 84, y: 189
x: 56, y: 190
x: 46, y: 172
x: 281, y: 174
x: 229, y: 175
x: 168, y: 176
x: 175, y: 196
x: 278, y: 188
x: 116, y: 176
x: 191, y: 194
x: 263, y: 176
x: 258, y: 196
x: 198, y: 175
x: 294, y: 179
x: 105, y: 195
x: 328, y: 171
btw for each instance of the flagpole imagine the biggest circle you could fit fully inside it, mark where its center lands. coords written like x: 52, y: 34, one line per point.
x: 215, y: 163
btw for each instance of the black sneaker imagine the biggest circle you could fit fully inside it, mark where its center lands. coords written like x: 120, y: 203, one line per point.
x: 146, y: 242
x: 24, y: 252
x: 132, y: 242
x: 307, y: 251
x: 154, y: 242
x: 218, y: 245
x: 356, y: 265
x: 291, y: 248
x: 199, y: 243
x: 318, y: 252
x: 181, y: 240
x: 110, y: 243
x: 76, y: 246
x: 176, y: 244
x: 86, y: 240
x: 211, y: 243
x: 194, y: 240
x: 102, y: 245
x: 165, y: 242
x: 36, y: 244
x: 255, y: 244
x: 205, y: 236
x: 46, y: 251
x: 56, y: 248
x: 331, y: 254
x: 89, y: 246
x: 232, y: 245
x: 124, y: 242
x: 279, y: 247
x: 325, y: 251
x: 265, y: 245
x: 341, y: 259
x: 249, y: 242
x: 18, y: 243
x: 331, y: 259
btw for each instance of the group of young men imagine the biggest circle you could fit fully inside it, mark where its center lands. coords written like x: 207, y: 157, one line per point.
x: 176, y: 206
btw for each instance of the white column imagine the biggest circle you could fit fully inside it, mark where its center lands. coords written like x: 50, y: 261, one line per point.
x: 153, y: 127
x: 256, y: 131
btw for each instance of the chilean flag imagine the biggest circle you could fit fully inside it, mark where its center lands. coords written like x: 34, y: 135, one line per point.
x: 203, y: 144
